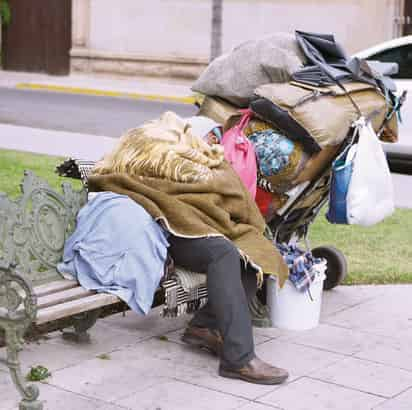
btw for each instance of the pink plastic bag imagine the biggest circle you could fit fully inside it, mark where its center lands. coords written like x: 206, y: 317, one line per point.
x: 240, y: 153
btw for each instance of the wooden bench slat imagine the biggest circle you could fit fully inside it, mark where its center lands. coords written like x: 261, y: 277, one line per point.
x: 75, y: 306
x: 63, y: 296
x: 53, y: 287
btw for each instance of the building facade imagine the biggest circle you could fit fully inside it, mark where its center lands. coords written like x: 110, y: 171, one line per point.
x: 172, y: 38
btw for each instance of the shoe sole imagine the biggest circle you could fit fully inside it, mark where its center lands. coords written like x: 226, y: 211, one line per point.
x: 235, y: 375
x: 198, y: 343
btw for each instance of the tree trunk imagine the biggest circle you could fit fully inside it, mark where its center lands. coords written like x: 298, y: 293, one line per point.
x: 216, y: 37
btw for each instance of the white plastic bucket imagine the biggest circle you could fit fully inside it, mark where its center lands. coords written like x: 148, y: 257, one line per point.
x: 294, y: 310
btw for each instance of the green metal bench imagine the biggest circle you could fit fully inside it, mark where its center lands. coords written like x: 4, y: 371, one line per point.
x: 35, y: 299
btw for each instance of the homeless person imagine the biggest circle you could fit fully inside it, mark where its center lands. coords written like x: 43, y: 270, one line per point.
x: 212, y: 225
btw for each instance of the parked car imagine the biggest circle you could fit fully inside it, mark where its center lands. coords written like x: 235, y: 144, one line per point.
x: 398, y: 50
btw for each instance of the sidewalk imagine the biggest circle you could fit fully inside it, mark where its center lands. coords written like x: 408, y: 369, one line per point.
x: 358, y: 358
x: 159, y: 89
x: 52, y: 142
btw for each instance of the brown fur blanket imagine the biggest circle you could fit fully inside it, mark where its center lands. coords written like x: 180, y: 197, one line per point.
x: 186, y: 184
x: 221, y: 206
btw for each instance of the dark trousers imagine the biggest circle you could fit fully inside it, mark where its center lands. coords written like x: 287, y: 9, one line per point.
x: 229, y: 287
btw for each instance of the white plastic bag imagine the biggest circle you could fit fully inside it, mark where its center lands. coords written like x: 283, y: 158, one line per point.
x: 370, y: 193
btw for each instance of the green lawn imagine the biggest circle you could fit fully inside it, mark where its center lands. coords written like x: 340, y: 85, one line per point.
x: 380, y: 254
x: 13, y: 164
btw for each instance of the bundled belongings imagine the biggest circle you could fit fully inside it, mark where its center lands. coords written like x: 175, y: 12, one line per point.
x: 328, y: 64
x: 302, y: 118
x: 320, y: 116
x: 234, y: 76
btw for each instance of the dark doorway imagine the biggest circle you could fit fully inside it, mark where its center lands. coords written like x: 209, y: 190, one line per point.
x: 38, y: 37
x: 407, y: 25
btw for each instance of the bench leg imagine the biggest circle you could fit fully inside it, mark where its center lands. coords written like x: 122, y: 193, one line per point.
x: 260, y: 313
x: 29, y: 392
x: 81, y: 324
x: 18, y: 310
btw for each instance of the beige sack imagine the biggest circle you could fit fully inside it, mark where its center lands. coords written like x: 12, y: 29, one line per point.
x: 218, y: 110
x: 327, y: 113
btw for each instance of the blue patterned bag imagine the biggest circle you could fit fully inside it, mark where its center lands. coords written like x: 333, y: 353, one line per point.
x: 272, y: 150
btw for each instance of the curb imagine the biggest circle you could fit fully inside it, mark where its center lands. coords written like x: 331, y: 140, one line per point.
x: 192, y: 99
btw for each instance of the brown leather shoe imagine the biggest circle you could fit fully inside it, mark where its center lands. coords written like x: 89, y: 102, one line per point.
x: 203, y: 338
x: 256, y: 371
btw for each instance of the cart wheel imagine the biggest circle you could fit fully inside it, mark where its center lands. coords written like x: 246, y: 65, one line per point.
x: 337, y: 267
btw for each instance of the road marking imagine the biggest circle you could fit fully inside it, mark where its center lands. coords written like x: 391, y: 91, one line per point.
x: 106, y: 93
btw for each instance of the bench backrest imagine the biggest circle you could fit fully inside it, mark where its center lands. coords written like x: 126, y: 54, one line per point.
x: 34, y: 227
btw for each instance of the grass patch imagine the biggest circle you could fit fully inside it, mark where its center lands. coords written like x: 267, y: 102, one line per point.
x: 38, y: 374
x: 104, y: 356
x: 380, y: 254
x: 14, y: 163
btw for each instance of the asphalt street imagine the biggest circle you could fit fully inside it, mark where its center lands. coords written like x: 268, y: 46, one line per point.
x: 96, y: 115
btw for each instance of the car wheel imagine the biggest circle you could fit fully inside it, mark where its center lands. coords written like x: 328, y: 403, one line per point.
x: 337, y: 267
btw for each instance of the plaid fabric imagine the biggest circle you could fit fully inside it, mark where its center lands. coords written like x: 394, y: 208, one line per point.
x: 302, y: 265
x: 185, y: 292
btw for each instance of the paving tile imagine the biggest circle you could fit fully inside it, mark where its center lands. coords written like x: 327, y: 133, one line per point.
x: 401, y: 402
x: 370, y: 319
x: 308, y: 394
x: 392, y: 352
x: 298, y: 360
x: 393, y: 404
x: 344, y: 297
x: 51, y: 397
x: 56, y: 353
x: 150, y: 325
x: 239, y: 388
x: 366, y: 376
x: 177, y: 395
x: 257, y: 406
x: 8, y: 393
x: 54, y: 398
x: 387, y: 315
x: 335, y: 339
x: 109, y: 380
x: 133, y: 369
x: 274, y: 332
x: 175, y: 336
x: 194, y: 366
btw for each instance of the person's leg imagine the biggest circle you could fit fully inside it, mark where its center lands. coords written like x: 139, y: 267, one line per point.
x: 228, y: 304
x: 205, y: 316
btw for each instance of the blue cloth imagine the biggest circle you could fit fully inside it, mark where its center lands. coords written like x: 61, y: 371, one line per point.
x: 272, y: 150
x: 117, y: 248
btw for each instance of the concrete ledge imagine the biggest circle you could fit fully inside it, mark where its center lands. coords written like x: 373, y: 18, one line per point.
x: 89, y: 60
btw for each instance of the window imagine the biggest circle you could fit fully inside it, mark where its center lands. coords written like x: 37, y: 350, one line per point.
x: 401, y: 55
